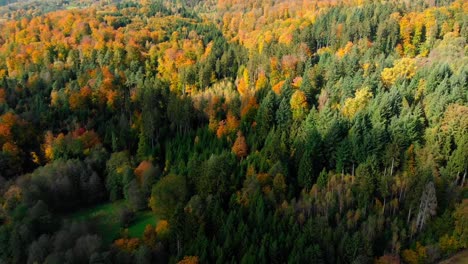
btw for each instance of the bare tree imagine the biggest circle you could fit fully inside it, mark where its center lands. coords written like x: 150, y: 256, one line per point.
x: 428, y: 205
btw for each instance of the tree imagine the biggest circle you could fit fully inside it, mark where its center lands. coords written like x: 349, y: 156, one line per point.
x: 299, y: 105
x: 461, y: 223
x: 189, y: 260
x: 151, y: 116
x: 215, y: 174
x: 39, y: 249
x: 353, y: 105
x: 119, y: 174
x: 427, y: 207
x: 403, y: 69
x: 179, y: 113
x: 283, y: 115
x: 162, y: 229
x: 419, y: 255
x: 135, y: 196
x: 307, y: 148
x: 240, y: 146
x: 143, y: 255
x: 150, y: 177
x: 306, y: 170
x: 167, y: 194
x: 387, y: 35
x: 62, y: 185
x: 366, y: 181
x: 265, y: 114
x: 142, y: 168
x: 126, y: 216
x: 86, y: 246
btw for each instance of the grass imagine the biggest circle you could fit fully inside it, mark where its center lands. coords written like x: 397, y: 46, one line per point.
x: 106, y: 218
x: 142, y: 220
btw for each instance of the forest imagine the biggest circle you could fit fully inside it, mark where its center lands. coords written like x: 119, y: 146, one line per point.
x: 233, y: 131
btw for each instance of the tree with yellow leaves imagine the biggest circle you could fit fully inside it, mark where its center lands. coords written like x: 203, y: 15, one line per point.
x: 345, y: 50
x: 356, y: 104
x: 162, y: 229
x: 299, y: 105
x: 419, y: 255
x: 243, y: 85
x: 461, y: 223
x: 404, y: 68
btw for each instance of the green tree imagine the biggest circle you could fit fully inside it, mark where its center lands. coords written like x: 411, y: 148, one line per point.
x: 266, y: 115
x: 119, y: 174
x: 283, y: 115
x: 167, y: 194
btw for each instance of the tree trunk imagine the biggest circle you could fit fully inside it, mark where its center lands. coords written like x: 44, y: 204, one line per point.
x: 409, y: 215
x: 399, y: 196
x: 463, y: 179
x: 391, y: 170
x: 384, y: 202
x: 178, y: 246
x: 420, y: 214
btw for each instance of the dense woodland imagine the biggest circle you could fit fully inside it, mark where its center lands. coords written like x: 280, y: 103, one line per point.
x: 257, y: 131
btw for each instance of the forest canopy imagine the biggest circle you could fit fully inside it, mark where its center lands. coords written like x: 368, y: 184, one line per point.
x: 298, y: 131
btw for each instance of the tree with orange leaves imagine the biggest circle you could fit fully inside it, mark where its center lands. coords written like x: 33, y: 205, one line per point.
x: 127, y: 244
x: 240, y: 147
x: 149, y: 236
x: 2, y: 95
x: 249, y: 103
x: 144, y: 166
x: 189, y: 260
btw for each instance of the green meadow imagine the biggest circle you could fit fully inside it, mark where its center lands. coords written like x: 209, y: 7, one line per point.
x: 106, y: 217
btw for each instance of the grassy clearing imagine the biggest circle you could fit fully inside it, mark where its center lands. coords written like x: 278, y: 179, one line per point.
x: 142, y: 220
x: 107, y: 220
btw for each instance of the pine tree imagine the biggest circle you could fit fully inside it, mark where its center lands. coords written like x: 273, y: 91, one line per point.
x: 283, y: 115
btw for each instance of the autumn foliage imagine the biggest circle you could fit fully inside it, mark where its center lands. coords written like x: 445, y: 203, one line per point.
x: 189, y: 260
x: 240, y: 147
x: 250, y: 131
x: 127, y: 244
